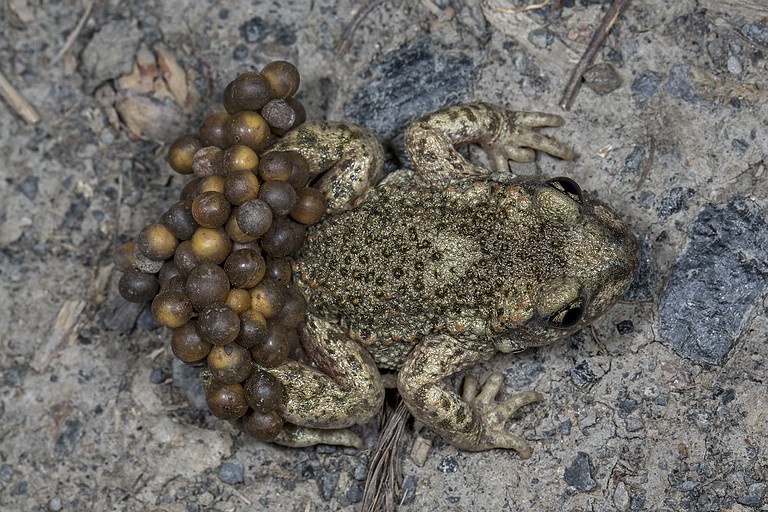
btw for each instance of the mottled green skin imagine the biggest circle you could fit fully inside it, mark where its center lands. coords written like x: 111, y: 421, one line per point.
x: 470, y: 261
x: 439, y: 268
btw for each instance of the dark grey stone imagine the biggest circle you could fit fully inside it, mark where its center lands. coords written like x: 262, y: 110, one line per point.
x: 716, y: 282
x: 644, y: 87
x: 232, y: 473
x: 409, y: 83
x: 578, y: 473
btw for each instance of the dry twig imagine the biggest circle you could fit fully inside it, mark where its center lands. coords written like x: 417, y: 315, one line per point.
x: 78, y: 28
x: 598, y: 38
x: 17, y: 102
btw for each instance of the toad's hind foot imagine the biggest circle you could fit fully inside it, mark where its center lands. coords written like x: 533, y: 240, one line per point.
x: 496, y: 414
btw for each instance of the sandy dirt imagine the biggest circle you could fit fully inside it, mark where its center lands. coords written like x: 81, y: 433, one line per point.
x: 662, y: 406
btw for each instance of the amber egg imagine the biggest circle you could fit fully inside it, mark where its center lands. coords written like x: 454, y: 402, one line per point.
x: 187, y: 344
x: 156, y: 242
x: 310, y: 206
x: 262, y: 426
x: 283, y: 77
x: 181, y: 153
x: 263, y: 392
x: 226, y: 401
x: 172, y: 309
x: 218, y: 324
x: 214, y: 129
x: 229, y: 363
x: 206, y: 284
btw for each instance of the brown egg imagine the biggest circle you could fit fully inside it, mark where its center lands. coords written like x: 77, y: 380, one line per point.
x: 182, y: 151
x: 253, y: 329
x: 211, y: 245
x: 172, y: 309
x: 249, y: 129
x: 211, y: 209
x: 211, y: 184
x: 278, y: 269
x: 206, y: 284
x: 226, y: 401
x: 279, y: 195
x: 241, y: 186
x: 168, y: 271
x: 218, y: 324
x: 187, y: 344
x: 180, y: 220
x: 124, y: 257
x: 245, y: 268
x: 239, y: 301
x: 174, y: 284
x: 240, y: 158
x: 279, y: 115
x: 301, y: 114
x: 263, y: 392
x: 185, y: 258
x: 283, y: 77
x: 268, y: 297
x: 234, y: 232
x: 254, y: 217
x: 283, y: 237
x: 310, y: 206
x: 229, y: 363
x: 214, y: 129
x: 156, y: 242
x: 138, y: 286
x: 189, y: 191
x: 299, y: 170
x: 273, y: 351
x: 262, y: 426
x: 208, y: 161
x: 275, y: 166
x: 249, y: 91
x: 293, y: 313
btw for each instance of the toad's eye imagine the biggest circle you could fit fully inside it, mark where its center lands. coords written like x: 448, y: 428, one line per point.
x: 568, y: 187
x: 568, y: 316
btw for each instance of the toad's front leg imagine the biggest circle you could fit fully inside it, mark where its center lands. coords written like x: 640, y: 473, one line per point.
x: 473, y: 422
x: 504, y: 134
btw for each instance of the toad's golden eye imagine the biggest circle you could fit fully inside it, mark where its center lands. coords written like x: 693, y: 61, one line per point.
x: 263, y: 426
x: 568, y: 316
x: 568, y: 187
x: 263, y: 392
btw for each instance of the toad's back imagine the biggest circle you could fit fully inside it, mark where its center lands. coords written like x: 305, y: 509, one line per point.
x: 411, y: 261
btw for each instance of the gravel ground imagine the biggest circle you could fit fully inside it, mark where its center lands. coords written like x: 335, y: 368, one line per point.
x: 662, y: 406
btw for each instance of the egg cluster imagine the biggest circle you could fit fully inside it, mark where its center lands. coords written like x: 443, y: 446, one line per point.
x: 217, y: 265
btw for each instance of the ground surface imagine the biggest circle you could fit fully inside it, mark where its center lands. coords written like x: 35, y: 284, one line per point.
x: 662, y: 407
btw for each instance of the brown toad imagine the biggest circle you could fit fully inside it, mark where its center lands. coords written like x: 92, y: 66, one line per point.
x: 437, y: 269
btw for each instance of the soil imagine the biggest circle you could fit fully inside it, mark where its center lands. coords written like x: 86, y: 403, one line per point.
x: 661, y: 406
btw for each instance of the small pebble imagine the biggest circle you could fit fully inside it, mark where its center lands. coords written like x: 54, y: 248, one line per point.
x: 231, y: 473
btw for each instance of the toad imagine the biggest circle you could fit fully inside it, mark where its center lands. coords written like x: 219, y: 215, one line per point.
x: 436, y: 269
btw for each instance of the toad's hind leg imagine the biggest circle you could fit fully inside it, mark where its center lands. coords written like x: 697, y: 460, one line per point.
x: 349, y: 158
x: 473, y: 422
x: 344, y: 388
x: 504, y: 134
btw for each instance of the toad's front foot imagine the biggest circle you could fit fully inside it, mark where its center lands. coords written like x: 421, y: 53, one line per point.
x: 494, y: 414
